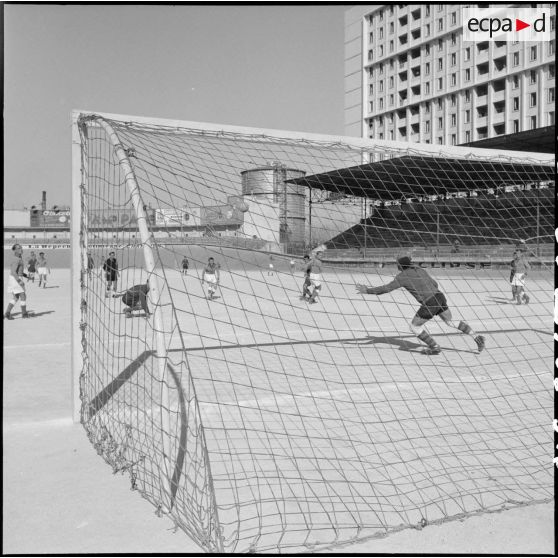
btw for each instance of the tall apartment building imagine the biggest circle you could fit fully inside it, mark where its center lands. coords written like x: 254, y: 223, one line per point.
x: 409, y: 76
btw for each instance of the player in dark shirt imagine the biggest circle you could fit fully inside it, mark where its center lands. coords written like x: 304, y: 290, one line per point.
x: 110, y: 267
x: 307, y: 283
x: 433, y: 303
x: 135, y: 298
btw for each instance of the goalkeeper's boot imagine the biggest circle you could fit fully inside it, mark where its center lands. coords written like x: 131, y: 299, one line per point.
x: 479, y: 340
x: 25, y: 314
x: 8, y: 316
x: 432, y: 350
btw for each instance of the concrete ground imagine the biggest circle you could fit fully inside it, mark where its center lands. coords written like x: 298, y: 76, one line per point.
x: 61, y: 498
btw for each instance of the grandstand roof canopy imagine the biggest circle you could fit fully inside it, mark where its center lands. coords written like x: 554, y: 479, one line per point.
x: 539, y: 140
x: 411, y: 176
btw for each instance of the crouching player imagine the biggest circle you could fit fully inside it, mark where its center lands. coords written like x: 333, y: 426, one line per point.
x: 433, y: 303
x: 211, y: 277
x: 135, y: 298
x: 16, y: 287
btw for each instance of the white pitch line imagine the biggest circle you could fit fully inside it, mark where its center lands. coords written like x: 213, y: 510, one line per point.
x: 64, y: 421
x: 32, y: 345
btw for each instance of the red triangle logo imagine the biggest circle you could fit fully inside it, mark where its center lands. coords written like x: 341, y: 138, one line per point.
x: 519, y: 25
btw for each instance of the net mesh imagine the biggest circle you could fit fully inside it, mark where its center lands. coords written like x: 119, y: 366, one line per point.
x: 261, y: 422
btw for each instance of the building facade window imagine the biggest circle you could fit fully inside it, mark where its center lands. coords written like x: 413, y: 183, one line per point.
x: 533, y: 122
x: 515, y: 82
x: 467, y: 96
x: 427, y: 69
x: 468, y: 74
x: 440, y: 83
x: 440, y: 123
x: 551, y: 95
x: 533, y: 53
x: 533, y: 77
x: 516, y: 103
x: 453, y: 58
x: 453, y: 139
x: 515, y: 126
x: 453, y: 120
x: 467, y: 116
x: 453, y: 18
x: 515, y: 60
x: 467, y: 54
x: 454, y: 79
x: 467, y: 136
x: 533, y: 100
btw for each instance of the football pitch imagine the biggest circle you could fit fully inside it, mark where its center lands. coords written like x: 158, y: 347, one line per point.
x: 261, y: 359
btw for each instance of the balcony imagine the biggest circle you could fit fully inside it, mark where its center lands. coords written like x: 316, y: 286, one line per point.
x: 415, y: 33
x: 482, y: 51
x: 499, y: 129
x: 482, y: 71
x: 482, y: 132
x: 500, y: 64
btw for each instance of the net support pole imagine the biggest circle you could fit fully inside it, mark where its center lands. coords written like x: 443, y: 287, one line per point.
x: 76, y: 266
x: 146, y: 239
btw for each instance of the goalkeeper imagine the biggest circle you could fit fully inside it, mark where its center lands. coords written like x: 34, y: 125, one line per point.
x: 135, y: 298
x: 433, y: 303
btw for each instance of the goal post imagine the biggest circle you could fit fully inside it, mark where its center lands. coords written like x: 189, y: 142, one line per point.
x: 261, y: 420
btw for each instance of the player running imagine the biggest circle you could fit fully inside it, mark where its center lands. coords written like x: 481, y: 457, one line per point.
x: 185, y: 265
x: 135, y: 298
x: 306, y: 285
x: 270, y: 270
x: 110, y: 267
x: 211, y: 277
x: 42, y: 269
x: 31, y: 267
x: 16, y: 287
x: 315, y: 276
x: 433, y: 303
x: 521, y: 267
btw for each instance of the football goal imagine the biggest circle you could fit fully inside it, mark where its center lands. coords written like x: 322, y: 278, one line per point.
x: 256, y: 396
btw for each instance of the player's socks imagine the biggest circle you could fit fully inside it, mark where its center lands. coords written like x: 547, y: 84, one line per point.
x: 526, y: 298
x: 7, y: 313
x: 433, y: 347
x: 479, y: 340
x: 465, y: 328
x: 24, y: 313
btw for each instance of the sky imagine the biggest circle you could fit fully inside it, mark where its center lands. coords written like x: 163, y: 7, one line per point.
x: 260, y: 66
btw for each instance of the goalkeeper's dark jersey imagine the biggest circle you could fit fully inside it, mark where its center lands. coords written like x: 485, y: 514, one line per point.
x: 415, y: 279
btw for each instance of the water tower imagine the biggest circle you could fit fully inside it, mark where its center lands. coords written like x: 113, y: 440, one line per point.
x: 269, y: 183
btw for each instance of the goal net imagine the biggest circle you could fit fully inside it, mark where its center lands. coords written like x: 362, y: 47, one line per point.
x: 262, y: 421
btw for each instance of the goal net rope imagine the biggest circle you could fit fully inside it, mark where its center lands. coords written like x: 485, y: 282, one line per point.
x: 261, y: 422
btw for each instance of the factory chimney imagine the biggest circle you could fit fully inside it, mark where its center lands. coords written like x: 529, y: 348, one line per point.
x: 43, y: 202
